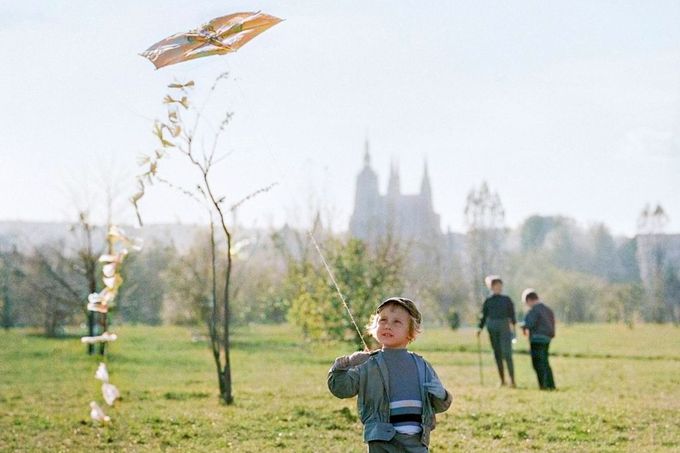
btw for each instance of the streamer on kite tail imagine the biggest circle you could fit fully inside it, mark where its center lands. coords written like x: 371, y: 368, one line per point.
x: 337, y: 288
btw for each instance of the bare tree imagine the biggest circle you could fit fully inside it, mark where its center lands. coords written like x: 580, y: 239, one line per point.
x: 56, y: 288
x: 57, y: 278
x: 176, y: 137
x: 87, y: 266
x: 485, y: 220
x: 651, y: 254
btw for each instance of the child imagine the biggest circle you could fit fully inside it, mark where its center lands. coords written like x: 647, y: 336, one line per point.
x: 539, y: 322
x: 398, y: 391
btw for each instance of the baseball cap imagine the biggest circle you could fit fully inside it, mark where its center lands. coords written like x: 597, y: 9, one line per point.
x: 407, y: 304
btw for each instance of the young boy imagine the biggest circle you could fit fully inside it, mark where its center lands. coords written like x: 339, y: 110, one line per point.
x: 539, y: 322
x: 398, y: 391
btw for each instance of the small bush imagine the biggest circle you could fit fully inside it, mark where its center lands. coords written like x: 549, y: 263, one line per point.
x: 453, y: 318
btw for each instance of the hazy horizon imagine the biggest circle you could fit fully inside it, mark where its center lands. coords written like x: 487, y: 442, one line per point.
x: 566, y: 109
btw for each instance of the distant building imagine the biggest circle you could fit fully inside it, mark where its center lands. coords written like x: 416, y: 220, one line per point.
x: 409, y: 217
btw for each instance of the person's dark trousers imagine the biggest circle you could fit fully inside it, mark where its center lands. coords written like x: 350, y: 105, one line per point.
x: 539, y: 359
x: 400, y: 443
x: 501, y: 343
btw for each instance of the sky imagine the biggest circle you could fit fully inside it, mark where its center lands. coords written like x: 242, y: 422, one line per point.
x: 569, y: 108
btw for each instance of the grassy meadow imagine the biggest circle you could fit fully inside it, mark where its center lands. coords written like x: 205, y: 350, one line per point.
x: 619, y: 390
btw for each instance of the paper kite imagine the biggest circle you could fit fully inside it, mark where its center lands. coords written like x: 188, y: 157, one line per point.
x: 219, y: 36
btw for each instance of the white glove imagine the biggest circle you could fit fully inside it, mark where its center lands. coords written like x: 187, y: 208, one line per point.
x: 349, y: 361
x: 436, y: 389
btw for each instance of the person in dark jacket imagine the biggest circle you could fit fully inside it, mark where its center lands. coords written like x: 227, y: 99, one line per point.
x: 539, y: 323
x: 498, y: 314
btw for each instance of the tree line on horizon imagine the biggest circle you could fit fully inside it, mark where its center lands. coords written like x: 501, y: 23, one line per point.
x: 584, y: 273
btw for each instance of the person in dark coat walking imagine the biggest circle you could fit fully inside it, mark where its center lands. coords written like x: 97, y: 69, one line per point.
x: 539, y: 323
x: 498, y: 314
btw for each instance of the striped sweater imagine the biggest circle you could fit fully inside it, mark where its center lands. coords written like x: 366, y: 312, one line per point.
x: 406, y: 407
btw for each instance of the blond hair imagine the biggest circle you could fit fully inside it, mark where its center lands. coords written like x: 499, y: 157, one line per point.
x: 414, y: 327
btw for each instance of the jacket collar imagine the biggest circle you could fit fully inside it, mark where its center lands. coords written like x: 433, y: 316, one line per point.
x: 422, y: 376
x: 384, y: 374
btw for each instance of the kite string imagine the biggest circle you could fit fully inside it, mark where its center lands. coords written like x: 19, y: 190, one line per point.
x: 337, y: 288
x: 281, y: 169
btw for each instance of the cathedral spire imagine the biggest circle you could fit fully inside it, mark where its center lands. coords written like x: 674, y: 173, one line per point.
x: 367, y: 154
x: 425, y: 188
x: 317, y: 226
x: 393, y: 186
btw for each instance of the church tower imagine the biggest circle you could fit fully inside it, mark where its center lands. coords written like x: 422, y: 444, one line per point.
x: 367, y: 181
x: 394, y: 184
x: 364, y: 222
x: 409, y: 217
x: 426, y: 188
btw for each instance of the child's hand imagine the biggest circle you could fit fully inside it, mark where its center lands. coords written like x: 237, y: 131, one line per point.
x: 436, y: 389
x: 357, y: 358
x: 349, y: 361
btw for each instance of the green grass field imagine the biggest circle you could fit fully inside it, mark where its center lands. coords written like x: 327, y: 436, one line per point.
x: 619, y: 390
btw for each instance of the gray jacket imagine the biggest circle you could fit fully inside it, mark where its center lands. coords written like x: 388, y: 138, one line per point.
x: 370, y: 382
